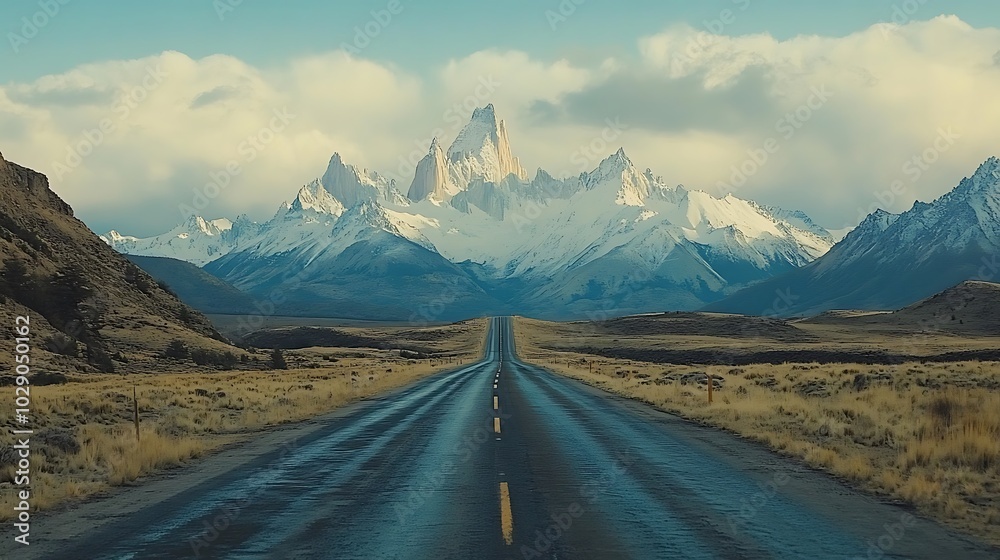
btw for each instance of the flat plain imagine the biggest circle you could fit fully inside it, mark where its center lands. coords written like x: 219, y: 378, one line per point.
x: 873, y: 403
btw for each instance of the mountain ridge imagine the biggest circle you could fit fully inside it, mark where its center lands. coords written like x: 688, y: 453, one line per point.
x: 892, y: 260
x: 473, y: 203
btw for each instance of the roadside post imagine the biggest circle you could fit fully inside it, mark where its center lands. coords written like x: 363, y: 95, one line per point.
x: 135, y: 412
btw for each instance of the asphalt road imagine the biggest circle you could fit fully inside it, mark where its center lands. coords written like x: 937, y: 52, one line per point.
x: 501, y: 460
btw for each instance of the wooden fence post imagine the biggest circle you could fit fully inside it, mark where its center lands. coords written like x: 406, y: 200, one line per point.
x: 135, y: 409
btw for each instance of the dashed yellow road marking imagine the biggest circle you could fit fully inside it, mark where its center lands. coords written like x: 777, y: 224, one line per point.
x: 506, y: 517
x: 496, y: 402
x: 496, y: 425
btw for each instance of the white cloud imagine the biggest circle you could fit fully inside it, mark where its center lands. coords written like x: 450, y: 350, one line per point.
x: 171, y: 120
x: 894, y: 90
x: 696, y: 104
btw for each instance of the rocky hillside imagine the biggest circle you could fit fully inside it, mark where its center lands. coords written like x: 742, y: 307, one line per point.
x: 91, y: 309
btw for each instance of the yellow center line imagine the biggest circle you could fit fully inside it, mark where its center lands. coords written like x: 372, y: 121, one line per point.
x: 506, y: 517
x: 496, y: 425
x: 496, y: 403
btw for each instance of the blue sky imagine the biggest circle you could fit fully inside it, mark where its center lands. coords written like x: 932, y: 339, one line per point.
x: 698, y: 90
x: 269, y: 33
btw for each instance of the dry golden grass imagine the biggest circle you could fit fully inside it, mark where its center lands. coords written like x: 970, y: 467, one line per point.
x: 85, y: 438
x: 928, y: 434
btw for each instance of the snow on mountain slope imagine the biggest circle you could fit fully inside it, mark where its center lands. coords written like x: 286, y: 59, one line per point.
x: 473, y: 204
x: 892, y: 260
x: 197, y: 240
x: 351, y: 185
x: 317, y: 199
x: 482, y: 149
x: 520, y: 233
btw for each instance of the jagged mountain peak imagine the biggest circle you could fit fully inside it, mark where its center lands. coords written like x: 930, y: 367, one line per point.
x: 877, y: 221
x: 987, y: 176
x: 617, y: 173
x: 473, y: 205
x: 198, y: 224
x: 482, y: 149
x: 990, y: 166
x: 482, y: 130
x: 314, y: 197
x: 618, y: 161
x: 487, y: 114
x: 350, y: 184
x: 891, y: 260
x: 431, y: 179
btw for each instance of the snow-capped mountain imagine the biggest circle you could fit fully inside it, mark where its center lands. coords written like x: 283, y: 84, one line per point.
x: 474, y: 229
x: 197, y: 240
x: 892, y: 260
x: 350, y: 185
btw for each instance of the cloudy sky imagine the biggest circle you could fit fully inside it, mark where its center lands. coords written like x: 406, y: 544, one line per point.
x: 831, y: 108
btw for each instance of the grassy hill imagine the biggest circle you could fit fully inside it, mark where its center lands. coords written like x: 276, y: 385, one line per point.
x: 90, y: 308
x: 196, y: 287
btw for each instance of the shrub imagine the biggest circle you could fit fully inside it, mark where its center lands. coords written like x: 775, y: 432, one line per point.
x: 59, y: 439
x: 62, y: 344
x: 165, y: 287
x: 100, y: 359
x: 43, y: 378
x: 226, y: 360
x: 177, y: 350
x: 278, y: 360
x: 135, y: 276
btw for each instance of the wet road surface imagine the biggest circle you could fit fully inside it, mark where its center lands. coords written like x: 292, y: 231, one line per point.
x: 502, y: 460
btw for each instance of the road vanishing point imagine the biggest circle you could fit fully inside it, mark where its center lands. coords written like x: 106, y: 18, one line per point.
x: 495, y: 460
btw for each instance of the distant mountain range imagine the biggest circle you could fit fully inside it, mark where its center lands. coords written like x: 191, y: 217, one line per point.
x: 893, y: 260
x: 474, y: 234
